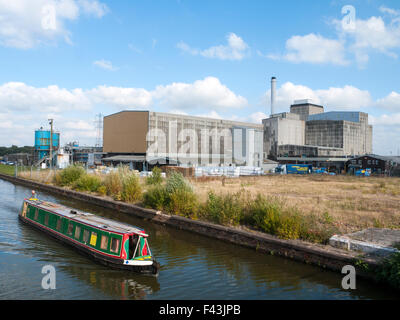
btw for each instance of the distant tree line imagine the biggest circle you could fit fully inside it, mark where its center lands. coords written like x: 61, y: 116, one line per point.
x: 15, y: 149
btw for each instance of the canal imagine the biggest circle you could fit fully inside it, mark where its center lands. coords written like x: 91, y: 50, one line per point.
x: 193, y: 266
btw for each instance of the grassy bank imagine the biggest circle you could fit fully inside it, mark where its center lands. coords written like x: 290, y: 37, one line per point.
x: 8, y: 170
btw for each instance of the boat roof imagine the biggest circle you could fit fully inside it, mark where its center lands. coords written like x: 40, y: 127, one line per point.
x: 86, y: 217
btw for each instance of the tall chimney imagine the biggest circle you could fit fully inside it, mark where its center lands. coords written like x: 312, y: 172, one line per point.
x: 273, y: 94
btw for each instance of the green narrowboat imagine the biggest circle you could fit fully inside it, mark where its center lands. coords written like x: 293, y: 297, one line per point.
x: 111, y: 243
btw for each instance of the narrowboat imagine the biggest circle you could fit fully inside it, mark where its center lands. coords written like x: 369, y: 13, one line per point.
x: 114, y: 244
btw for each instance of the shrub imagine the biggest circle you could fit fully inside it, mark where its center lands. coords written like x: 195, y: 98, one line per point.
x: 155, y: 197
x: 176, y: 181
x: 182, y: 202
x: 114, y: 184
x: 155, y: 177
x: 271, y: 216
x: 87, y: 182
x: 132, y: 191
x: 223, y: 209
x: 102, y: 190
x: 68, y: 175
x: 389, y: 270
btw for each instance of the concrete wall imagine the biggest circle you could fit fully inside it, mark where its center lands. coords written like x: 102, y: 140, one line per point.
x: 125, y: 132
x: 204, y: 141
x: 282, y: 131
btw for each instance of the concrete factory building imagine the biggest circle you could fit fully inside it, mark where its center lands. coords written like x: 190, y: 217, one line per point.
x: 144, y: 137
x: 307, y: 134
x: 308, y: 131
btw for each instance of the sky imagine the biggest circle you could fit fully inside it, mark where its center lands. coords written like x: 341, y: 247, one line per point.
x: 70, y: 60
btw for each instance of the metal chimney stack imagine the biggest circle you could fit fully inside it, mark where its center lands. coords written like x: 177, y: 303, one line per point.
x: 273, y: 94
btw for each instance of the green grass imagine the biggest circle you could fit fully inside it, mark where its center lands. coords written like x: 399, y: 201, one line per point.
x: 5, y: 169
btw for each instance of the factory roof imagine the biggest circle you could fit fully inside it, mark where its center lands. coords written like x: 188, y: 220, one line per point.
x: 125, y: 158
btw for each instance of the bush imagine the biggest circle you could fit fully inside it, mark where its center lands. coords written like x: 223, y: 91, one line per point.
x: 155, y: 177
x: 182, y: 202
x: 270, y: 215
x: 102, y: 190
x: 223, y: 209
x: 132, y: 191
x: 389, y: 270
x: 87, y: 182
x: 156, y: 197
x: 68, y: 175
x: 176, y: 196
x: 114, y: 184
x: 175, y: 182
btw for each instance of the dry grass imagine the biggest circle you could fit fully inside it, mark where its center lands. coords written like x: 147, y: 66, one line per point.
x: 353, y: 203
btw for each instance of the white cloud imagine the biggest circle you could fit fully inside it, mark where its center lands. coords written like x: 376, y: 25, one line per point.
x: 104, y: 64
x: 21, y: 97
x: 391, y: 102
x: 94, y: 7
x: 27, y: 23
x: 345, y: 98
x: 385, y: 119
x: 256, y: 117
x: 314, y: 49
x: 372, y: 35
x: 121, y: 97
x: 208, y: 93
x: 236, y: 49
x: 390, y: 11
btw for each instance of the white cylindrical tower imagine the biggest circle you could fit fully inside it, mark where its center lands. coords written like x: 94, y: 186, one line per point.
x: 273, y: 94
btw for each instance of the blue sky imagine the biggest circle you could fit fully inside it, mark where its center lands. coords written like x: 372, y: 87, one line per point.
x: 71, y: 59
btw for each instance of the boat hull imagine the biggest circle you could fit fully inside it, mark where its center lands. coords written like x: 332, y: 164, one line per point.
x: 114, y: 263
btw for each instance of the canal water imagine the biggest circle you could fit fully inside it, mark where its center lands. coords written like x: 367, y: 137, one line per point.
x: 193, y: 266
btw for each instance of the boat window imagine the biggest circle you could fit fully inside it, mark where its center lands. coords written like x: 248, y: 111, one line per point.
x: 114, y: 245
x: 70, y: 228
x: 93, y: 239
x: 59, y: 223
x: 46, y: 219
x: 36, y: 213
x: 77, y: 232
x: 86, y: 236
x: 104, y: 242
x: 133, y: 243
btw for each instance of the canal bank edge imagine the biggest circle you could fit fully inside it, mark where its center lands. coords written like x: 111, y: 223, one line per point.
x: 324, y: 256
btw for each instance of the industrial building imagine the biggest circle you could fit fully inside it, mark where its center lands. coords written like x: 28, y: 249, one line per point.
x: 43, y: 140
x: 309, y: 135
x: 387, y: 165
x: 143, y: 138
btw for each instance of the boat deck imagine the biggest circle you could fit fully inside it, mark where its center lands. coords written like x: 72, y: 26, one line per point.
x: 88, y: 218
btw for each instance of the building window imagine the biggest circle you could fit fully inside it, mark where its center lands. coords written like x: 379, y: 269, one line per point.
x: 59, y: 223
x: 77, y: 232
x: 114, y: 245
x: 377, y: 162
x: 93, y: 239
x: 369, y: 161
x: 70, y: 228
x: 104, y: 242
x: 86, y: 236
